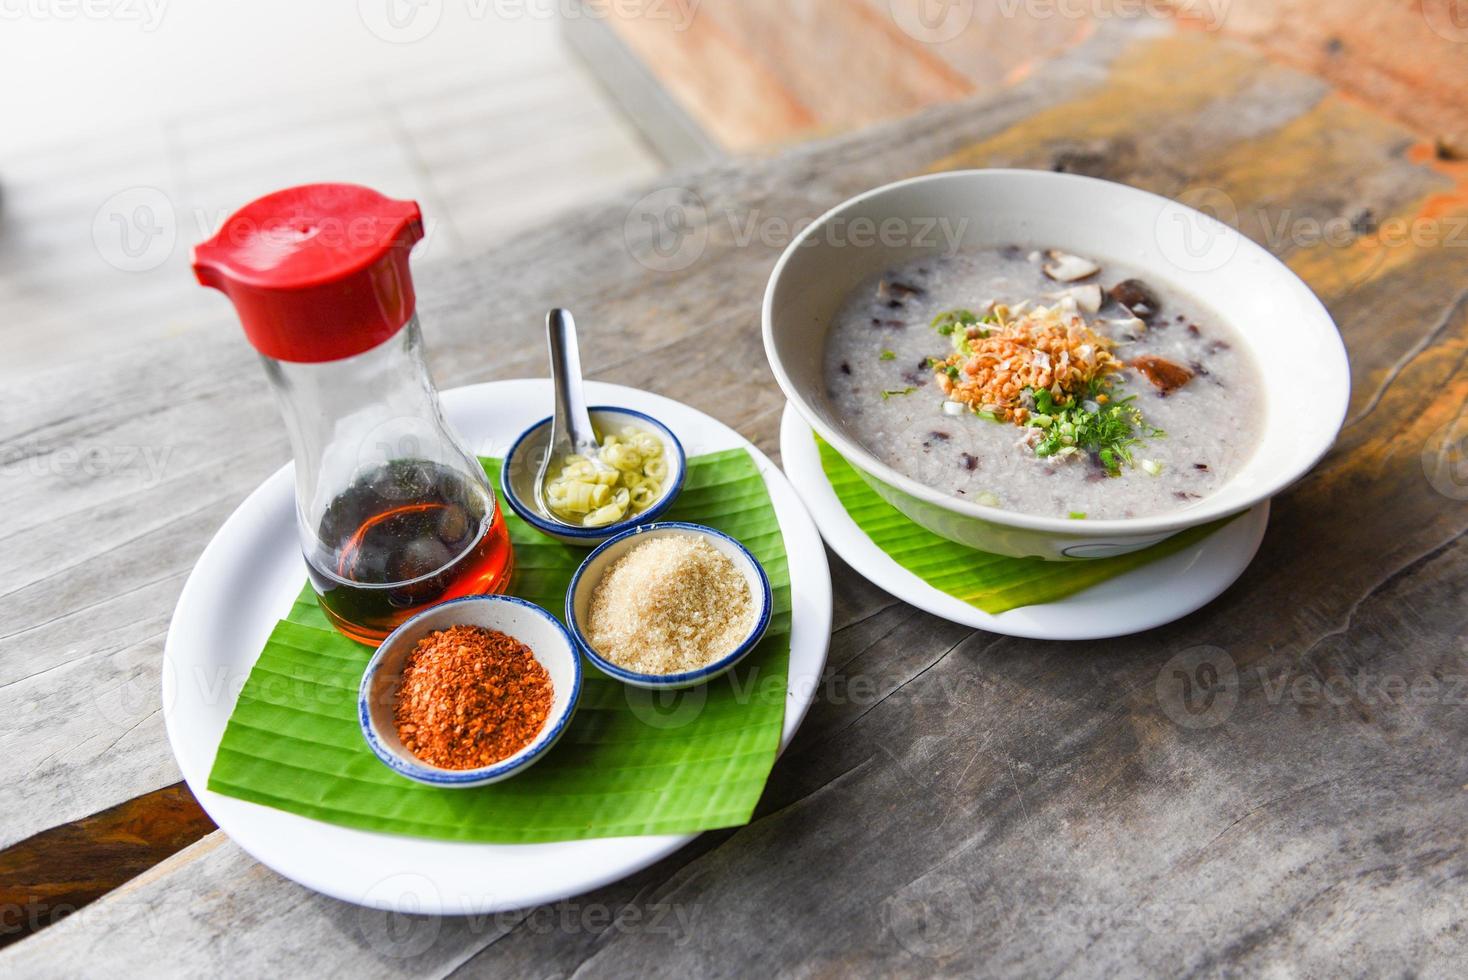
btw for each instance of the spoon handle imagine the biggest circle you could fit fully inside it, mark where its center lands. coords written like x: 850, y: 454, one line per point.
x: 565, y: 369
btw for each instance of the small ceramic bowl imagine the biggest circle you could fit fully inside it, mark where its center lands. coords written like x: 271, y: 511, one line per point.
x: 526, y: 622
x: 522, y: 464
x: 578, y: 601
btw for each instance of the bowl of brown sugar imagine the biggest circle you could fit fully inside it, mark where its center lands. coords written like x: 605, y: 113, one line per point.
x: 670, y: 605
x: 470, y: 692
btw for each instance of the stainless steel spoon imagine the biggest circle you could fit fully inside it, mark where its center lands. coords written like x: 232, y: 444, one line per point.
x: 571, y: 431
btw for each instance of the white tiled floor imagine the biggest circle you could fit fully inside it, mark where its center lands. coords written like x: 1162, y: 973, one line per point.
x: 485, y: 120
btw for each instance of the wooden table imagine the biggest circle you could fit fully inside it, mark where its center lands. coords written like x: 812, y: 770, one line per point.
x: 745, y: 75
x: 957, y: 802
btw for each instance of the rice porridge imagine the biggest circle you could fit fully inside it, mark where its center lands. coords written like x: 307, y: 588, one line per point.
x: 1045, y: 383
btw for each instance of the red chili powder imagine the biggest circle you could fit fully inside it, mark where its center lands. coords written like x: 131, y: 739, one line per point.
x: 470, y: 697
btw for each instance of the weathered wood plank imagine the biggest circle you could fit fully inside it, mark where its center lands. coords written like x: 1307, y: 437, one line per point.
x: 761, y: 73
x: 51, y: 875
x: 957, y: 803
x: 223, y: 905
x: 1405, y: 60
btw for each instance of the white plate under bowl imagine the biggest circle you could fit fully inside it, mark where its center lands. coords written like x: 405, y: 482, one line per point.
x: 1296, y: 348
x: 1157, y: 593
x: 247, y: 579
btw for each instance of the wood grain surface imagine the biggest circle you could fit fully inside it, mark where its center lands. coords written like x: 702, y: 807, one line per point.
x: 49, y: 876
x: 761, y: 73
x: 757, y: 73
x: 957, y: 803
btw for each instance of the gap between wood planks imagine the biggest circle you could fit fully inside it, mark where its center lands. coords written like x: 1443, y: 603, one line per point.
x: 50, y: 875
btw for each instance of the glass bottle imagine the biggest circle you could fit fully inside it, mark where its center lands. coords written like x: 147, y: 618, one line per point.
x: 394, y: 514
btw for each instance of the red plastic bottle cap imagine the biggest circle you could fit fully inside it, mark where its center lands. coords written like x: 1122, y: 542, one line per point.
x: 318, y: 272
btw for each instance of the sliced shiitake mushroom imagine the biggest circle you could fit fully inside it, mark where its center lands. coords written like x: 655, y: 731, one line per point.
x: 1064, y: 267
x: 896, y: 290
x: 1136, y: 296
x: 1167, y: 376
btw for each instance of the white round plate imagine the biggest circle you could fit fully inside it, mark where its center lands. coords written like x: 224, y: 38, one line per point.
x: 1152, y: 595
x: 247, y: 579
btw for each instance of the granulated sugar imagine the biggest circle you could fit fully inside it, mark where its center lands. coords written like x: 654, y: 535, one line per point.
x: 671, y: 604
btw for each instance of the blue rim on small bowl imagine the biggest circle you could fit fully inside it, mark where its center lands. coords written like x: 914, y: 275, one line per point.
x: 687, y: 678
x: 402, y: 640
x: 588, y: 536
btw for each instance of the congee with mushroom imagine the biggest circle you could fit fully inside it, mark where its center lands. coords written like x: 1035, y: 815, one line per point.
x: 1044, y: 382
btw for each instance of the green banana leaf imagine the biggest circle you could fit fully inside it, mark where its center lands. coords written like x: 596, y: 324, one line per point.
x: 632, y: 761
x: 992, y: 583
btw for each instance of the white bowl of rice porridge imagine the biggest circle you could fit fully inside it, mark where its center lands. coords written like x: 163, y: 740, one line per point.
x: 1054, y: 366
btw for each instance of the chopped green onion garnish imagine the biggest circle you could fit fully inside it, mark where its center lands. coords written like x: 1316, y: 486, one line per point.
x: 886, y: 355
x: 950, y: 320
x: 1078, y: 515
x: 889, y: 392
x: 1104, y: 429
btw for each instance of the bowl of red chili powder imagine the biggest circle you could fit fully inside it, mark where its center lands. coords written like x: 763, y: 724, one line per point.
x: 470, y: 692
